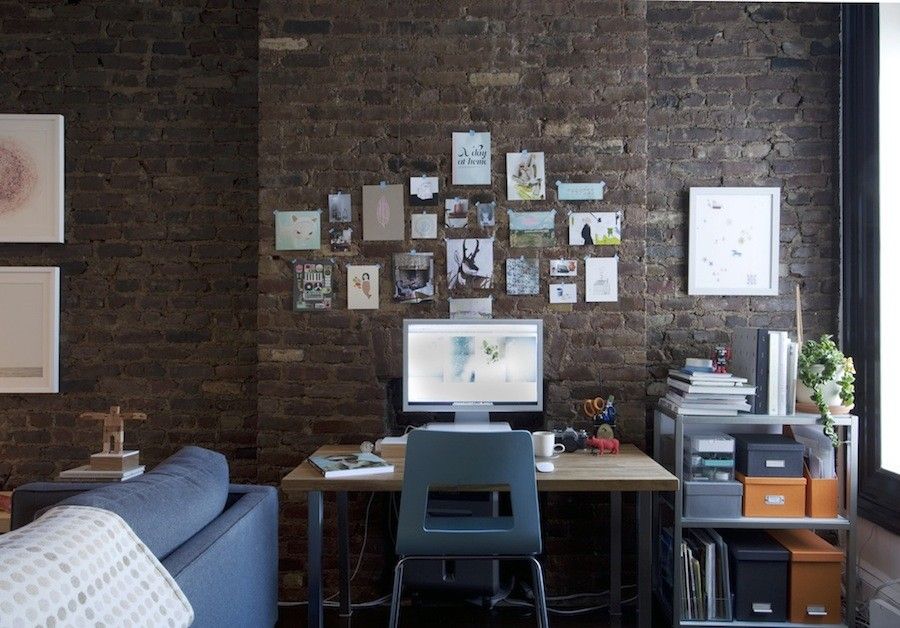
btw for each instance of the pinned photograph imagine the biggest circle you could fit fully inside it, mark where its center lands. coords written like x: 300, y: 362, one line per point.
x: 457, y: 214
x: 595, y: 228
x: 601, y: 279
x: 471, y: 158
x: 525, y: 180
x: 341, y: 238
x: 563, y: 268
x: 413, y: 277
x: 479, y: 308
x: 313, y: 286
x: 298, y: 231
x: 487, y: 214
x: 470, y: 262
x: 532, y: 229
x: 362, y: 287
x: 563, y: 293
x: 339, y: 208
x: 383, y: 213
x: 523, y: 276
x: 423, y: 226
x: 423, y: 190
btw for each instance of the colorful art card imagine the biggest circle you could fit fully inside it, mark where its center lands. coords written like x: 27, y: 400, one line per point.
x: 339, y: 207
x: 470, y: 262
x: 383, y: 213
x: 563, y: 268
x: 523, y: 276
x: 413, y: 277
x: 601, y: 279
x: 423, y: 190
x: 595, y: 228
x: 298, y: 231
x: 456, y: 215
x: 580, y: 191
x: 479, y: 308
x: 471, y: 158
x: 563, y: 293
x: 532, y: 228
x: 313, y: 286
x: 341, y: 237
x: 362, y: 286
x: 525, y: 180
x: 487, y: 214
x: 423, y: 226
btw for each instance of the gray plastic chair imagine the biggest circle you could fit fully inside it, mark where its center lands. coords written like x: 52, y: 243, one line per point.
x: 454, y: 461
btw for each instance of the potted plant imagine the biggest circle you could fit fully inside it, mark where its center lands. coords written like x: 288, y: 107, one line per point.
x: 825, y: 382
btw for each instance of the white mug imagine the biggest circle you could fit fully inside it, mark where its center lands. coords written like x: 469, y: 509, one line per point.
x: 545, y: 446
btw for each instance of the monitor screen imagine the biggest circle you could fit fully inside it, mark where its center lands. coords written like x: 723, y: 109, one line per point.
x: 452, y: 365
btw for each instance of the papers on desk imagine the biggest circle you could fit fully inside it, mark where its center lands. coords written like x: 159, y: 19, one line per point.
x: 347, y: 465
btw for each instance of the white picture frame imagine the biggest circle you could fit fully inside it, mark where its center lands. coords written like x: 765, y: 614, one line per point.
x: 734, y: 241
x: 32, y: 208
x: 29, y: 330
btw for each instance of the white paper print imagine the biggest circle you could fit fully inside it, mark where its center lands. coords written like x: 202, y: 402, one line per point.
x: 339, y: 207
x: 487, y: 214
x: 479, y: 308
x: 298, y: 231
x: 601, y: 279
x: 423, y: 226
x: 563, y: 268
x: 471, y: 158
x: 563, y: 293
x: 456, y: 215
x: 525, y: 179
x: 595, y: 228
x: 470, y: 262
x: 423, y: 190
x: 362, y: 287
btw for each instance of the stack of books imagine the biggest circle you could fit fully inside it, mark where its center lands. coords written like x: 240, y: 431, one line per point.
x: 88, y: 474
x: 696, y: 389
x: 768, y: 359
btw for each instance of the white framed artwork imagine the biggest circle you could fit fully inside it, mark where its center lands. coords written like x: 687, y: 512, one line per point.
x: 733, y: 242
x: 32, y: 176
x: 29, y: 330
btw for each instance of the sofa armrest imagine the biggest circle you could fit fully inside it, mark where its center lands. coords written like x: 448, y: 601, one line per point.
x: 229, y: 570
x: 30, y: 499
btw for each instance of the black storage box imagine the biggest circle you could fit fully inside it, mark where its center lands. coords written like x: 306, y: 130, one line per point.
x: 759, y: 576
x: 768, y: 456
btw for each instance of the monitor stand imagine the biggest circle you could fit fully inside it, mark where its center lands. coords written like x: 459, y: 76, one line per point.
x: 469, y: 422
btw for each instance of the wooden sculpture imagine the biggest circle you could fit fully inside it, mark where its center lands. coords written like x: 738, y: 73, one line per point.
x: 113, y: 456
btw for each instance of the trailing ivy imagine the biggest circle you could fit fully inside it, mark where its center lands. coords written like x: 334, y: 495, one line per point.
x: 824, y: 353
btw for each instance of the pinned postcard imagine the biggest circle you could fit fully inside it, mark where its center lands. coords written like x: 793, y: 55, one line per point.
x: 479, y: 308
x: 471, y: 158
x: 563, y: 268
x: 580, y: 191
x: 532, y: 229
x: 487, y: 214
x: 601, y: 279
x: 423, y: 190
x: 423, y: 226
x: 525, y: 180
x: 413, y: 277
x: 595, y: 228
x: 456, y: 215
x: 313, y: 286
x: 362, y: 287
x: 383, y: 213
x: 470, y: 262
x: 341, y: 237
x: 523, y: 276
x: 339, y: 208
x: 563, y: 293
x: 298, y: 231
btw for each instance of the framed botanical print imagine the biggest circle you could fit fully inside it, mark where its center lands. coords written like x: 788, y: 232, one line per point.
x: 29, y: 330
x: 733, y: 241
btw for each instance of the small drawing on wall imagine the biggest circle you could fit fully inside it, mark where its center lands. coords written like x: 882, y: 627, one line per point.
x: 339, y: 207
x: 313, y: 286
x: 29, y: 329
x: 470, y: 262
x: 595, y: 228
x: 413, y: 277
x: 362, y: 286
x: 601, y: 279
x: 423, y: 190
x: 563, y: 293
x: 487, y: 214
x: 471, y: 158
x: 456, y: 215
x: 563, y: 268
x: 532, y: 229
x: 423, y: 226
x: 523, y: 276
x: 383, y: 214
x: 298, y: 231
x: 477, y: 308
x: 341, y: 237
x: 733, y: 241
x: 525, y: 180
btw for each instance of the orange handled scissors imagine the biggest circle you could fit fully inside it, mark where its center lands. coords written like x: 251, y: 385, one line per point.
x: 593, y: 407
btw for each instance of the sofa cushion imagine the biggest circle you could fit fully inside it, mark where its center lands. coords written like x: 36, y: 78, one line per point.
x: 170, y: 504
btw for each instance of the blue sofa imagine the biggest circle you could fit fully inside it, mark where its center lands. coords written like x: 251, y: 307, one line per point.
x: 219, y: 541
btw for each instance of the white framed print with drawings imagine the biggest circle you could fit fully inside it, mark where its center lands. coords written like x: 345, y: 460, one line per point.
x: 31, y: 178
x: 733, y: 241
x: 29, y: 329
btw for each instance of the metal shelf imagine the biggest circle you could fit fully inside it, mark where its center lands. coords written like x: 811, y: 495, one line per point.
x: 769, y: 523
x: 757, y: 419
x: 756, y: 624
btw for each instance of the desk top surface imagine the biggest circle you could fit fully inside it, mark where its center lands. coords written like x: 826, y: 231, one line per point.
x: 629, y: 470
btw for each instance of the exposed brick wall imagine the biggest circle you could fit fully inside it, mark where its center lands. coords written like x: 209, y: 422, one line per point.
x: 159, y: 263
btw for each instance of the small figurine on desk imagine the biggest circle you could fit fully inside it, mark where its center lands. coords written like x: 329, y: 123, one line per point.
x: 721, y: 358
x: 603, y: 413
x: 603, y: 445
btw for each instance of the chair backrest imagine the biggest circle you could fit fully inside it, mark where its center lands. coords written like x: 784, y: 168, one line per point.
x: 457, y: 461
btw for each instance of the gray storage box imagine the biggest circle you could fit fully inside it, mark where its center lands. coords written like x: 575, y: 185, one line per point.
x: 720, y: 500
x: 768, y: 456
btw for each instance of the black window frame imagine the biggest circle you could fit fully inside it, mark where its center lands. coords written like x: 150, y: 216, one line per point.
x: 879, y: 489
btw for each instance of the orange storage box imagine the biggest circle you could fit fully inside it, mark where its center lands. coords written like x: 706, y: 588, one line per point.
x: 814, y: 577
x: 773, y: 497
x: 821, y: 496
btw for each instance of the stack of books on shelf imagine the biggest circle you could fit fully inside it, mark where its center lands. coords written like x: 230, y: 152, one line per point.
x: 768, y: 359
x: 705, y: 580
x: 696, y: 389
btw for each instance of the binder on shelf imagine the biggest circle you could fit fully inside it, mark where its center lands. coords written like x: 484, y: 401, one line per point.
x: 750, y: 359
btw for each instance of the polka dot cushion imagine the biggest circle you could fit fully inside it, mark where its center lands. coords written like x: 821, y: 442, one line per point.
x: 81, y: 566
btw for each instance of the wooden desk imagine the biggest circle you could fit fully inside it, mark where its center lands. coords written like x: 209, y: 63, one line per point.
x: 629, y: 471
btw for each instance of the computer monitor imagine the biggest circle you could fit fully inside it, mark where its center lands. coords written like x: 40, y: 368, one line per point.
x: 473, y: 367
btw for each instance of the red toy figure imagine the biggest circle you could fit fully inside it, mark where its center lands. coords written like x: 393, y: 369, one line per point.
x: 603, y: 445
x: 721, y: 358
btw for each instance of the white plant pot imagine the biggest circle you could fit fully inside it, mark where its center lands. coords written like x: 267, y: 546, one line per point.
x: 831, y: 391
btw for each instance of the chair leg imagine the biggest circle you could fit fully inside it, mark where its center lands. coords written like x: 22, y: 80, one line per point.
x: 397, y: 593
x: 540, y: 600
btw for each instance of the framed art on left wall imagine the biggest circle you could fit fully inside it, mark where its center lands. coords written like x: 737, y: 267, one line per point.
x: 29, y: 330
x: 31, y: 178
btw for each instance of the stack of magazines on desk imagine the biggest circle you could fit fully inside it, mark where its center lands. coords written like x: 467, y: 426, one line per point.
x: 696, y: 389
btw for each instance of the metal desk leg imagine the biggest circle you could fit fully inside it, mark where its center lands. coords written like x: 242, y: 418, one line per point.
x: 645, y: 540
x: 615, y: 556
x: 343, y: 554
x: 314, y: 560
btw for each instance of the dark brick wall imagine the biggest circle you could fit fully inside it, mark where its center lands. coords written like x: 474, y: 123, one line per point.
x: 159, y: 263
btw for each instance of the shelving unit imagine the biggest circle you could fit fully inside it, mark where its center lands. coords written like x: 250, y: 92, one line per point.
x: 845, y: 523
